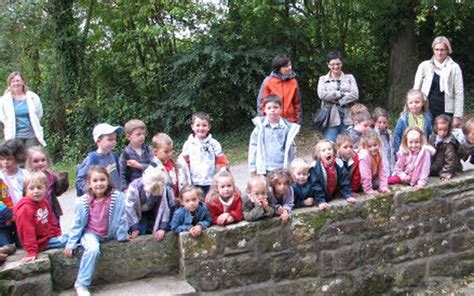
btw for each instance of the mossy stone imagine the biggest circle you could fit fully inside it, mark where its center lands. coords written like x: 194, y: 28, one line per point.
x: 419, y: 195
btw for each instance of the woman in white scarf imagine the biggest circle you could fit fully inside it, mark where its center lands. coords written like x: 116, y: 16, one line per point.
x: 440, y: 79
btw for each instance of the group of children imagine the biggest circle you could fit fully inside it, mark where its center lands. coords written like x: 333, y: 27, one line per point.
x: 146, y: 191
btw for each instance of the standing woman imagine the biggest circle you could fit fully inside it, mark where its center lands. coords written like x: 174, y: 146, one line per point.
x: 338, y: 91
x: 440, y: 79
x: 20, y: 112
x: 282, y: 82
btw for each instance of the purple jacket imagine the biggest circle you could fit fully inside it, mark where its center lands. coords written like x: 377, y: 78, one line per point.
x: 287, y: 202
x: 414, y: 169
x: 366, y: 174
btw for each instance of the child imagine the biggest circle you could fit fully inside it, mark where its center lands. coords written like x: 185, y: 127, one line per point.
x: 147, y: 205
x: 362, y: 122
x: 467, y: 141
x: 413, y: 160
x: 105, y: 137
x: 328, y: 177
x: 272, y: 143
x: 13, y: 153
x: 380, y: 117
x: 415, y: 113
x: 99, y: 216
x: 350, y: 160
x: 256, y: 203
x: 193, y: 215
x: 301, y: 187
x: 136, y: 157
x: 36, y: 225
x: 281, y: 193
x: 371, y: 164
x: 223, y: 200
x: 203, y: 153
x: 6, y: 223
x: 358, y: 108
x: 445, y: 163
x: 38, y: 161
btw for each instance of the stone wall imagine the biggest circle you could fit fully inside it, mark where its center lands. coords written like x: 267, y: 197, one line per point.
x: 391, y: 244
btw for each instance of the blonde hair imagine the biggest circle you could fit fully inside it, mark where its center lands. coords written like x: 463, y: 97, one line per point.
x: 317, y: 149
x: 358, y: 108
x: 190, y: 188
x: 132, y: 125
x: 416, y: 93
x: 10, y: 78
x: 153, y: 180
x: 468, y: 126
x: 213, y: 190
x: 257, y: 181
x: 369, y: 135
x: 36, y: 178
x: 404, y: 145
x: 343, y: 138
x: 161, y: 139
x: 299, y: 164
x: 442, y: 40
x: 38, y: 149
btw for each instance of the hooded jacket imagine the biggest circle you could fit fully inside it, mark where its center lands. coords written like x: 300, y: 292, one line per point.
x: 445, y: 162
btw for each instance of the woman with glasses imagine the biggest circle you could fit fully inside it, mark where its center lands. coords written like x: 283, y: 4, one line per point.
x: 440, y: 79
x: 282, y: 82
x: 338, y: 91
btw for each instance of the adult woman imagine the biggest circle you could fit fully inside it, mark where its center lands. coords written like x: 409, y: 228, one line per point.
x: 338, y: 91
x: 282, y: 82
x: 440, y: 79
x: 20, y: 112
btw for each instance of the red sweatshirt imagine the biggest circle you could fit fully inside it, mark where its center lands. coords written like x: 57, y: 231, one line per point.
x: 216, y: 208
x: 35, y: 224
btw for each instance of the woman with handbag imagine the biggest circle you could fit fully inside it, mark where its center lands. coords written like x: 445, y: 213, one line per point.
x: 337, y: 91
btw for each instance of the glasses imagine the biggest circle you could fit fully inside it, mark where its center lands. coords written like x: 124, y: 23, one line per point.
x: 335, y: 64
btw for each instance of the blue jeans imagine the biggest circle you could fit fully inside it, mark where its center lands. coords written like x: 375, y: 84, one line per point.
x: 91, y: 244
x: 57, y: 242
x: 332, y: 132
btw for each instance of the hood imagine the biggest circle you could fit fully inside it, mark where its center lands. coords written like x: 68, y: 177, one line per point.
x: 283, y: 77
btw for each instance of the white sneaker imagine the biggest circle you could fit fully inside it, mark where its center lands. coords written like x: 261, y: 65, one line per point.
x: 82, y: 290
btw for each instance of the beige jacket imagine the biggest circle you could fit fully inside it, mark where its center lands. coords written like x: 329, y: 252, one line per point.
x: 454, y: 96
x: 330, y: 95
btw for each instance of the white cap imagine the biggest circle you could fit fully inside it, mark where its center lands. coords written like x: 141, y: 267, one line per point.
x: 105, y: 129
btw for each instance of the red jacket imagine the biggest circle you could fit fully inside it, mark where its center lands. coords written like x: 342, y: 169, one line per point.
x: 354, y: 174
x: 35, y: 224
x: 216, y: 208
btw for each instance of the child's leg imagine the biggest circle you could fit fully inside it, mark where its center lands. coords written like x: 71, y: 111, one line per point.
x: 91, y: 244
x: 57, y: 242
x: 6, y: 235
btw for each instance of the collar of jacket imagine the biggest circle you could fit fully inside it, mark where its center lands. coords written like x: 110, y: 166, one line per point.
x: 283, y: 77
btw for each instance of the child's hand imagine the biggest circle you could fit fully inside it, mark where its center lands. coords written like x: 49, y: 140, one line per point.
x: 67, y: 252
x: 28, y: 259
x: 386, y: 191
x: 445, y: 178
x: 309, y: 201
x: 160, y: 234
x: 222, y: 218
x: 417, y: 186
x: 372, y: 192
x: 284, y: 216
x: 134, y: 234
x: 229, y: 220
x: 352, y: 200
x: 134, y: 164
x: 323, y: 205
x: 195, y: 231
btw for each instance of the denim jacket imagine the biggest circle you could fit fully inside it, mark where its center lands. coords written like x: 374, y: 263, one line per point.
x: 183, y: 220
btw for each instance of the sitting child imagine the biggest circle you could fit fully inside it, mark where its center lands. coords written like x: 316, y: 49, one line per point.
x: 12, y: 154
x: 281, y: 193
x: 371, y: 164
x: 36, y: 225
x: 380, y: 117
x: 328, y: 177
x: 445, y: 163
x: 413, y: 160
x: 301, y: 187
x: 350, y: 160
x: 223, y: 200
x: 256, y: 203
x: 147, y: 205
x: 466, y: 139
x: 362, y: 122
x: 7, y: 227
x: 193, y: 215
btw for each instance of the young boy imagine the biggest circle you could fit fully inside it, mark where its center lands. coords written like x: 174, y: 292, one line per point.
x: 350, y: 160
x: 105, y: 137
x: 467, y: 141
x: 272, y: 142
x: 301, y: 186
x: 35, y: 222
x: 362, y: 122
x: 203, y: 153
x: 256, y: 204
x: 136, y: 157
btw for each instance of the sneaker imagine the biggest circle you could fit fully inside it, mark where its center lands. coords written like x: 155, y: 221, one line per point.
x: 82, y: 290
x: 8, y: 249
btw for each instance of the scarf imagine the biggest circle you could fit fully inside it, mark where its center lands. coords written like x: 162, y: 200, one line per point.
x: 226, y: 204
x: 375, y: 164
x: 443, y: 69
x: 331, y: 177
x: 416, y: 120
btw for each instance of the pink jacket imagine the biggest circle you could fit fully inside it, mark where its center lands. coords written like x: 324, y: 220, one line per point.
x: 414, y: 169
x: 366, y: 174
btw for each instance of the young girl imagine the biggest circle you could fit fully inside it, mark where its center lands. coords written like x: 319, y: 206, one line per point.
x: 380, y: 117
x: 36, y: 225
x: 328, y: 177
x: 38, y: 161
x: 99, y: 215
x: 445, y: 163
x: 12, y: 153
x: 147, y: 205
x: 223, y: 201
x: 193, y: 215
x: 256, y: 203
x: 281, y: 193
x: 413, y: 160
x: 416, y: 114
x: 372, y: 165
